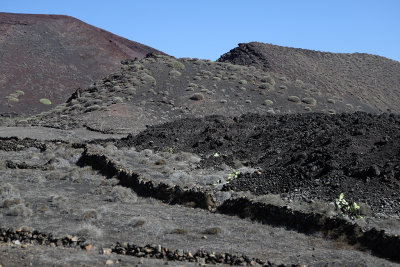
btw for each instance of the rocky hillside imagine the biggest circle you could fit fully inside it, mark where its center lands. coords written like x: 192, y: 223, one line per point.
x: 371, y: 79
x: 45, y: 58
x: 160, y: 88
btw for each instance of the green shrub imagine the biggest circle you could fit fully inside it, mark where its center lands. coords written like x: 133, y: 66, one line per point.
x: 244, y: 82
x: 332, y: 101
x: 271, y: 111
x: 137, y: 66
x: 345, y: 208
x: 268, y: 79
x: 268, y: 102
x: 93, y: 108
x: 45, y: 101
x: 267, y: 86
x: 130, y: 90
x: 177, y: 65
x: 174, y: 73
x: 293, y: 98
x: 193, y: 85
x: 19, y: 92
x: 13, y: 99
x: 283, y: 87
x: 310, y: 101
x: 146, y: 78
x: 117, y: 99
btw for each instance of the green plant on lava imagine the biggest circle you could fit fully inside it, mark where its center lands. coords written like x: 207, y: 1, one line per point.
x: 345, y: 208
x: 45, y: 101
x: 233, y: 175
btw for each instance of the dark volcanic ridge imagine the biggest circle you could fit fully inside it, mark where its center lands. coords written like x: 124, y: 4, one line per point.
x: 371, y: 79
x: 50, y: 56
x: 160, y: 88
x: 300, y: 156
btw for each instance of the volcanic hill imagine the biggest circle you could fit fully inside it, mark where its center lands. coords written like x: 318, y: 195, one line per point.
x: 161, y: 88
x: 51, y: 56
x: 368, y: 78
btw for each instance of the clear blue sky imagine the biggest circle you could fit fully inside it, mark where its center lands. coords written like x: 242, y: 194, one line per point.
x: 209, y: 28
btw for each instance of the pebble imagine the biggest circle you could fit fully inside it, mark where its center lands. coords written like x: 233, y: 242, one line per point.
x: 106, y: 251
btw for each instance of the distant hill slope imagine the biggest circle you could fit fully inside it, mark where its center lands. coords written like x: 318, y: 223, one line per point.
x: 371, y: 79
x: 160, y: 88
x: 50, y: 56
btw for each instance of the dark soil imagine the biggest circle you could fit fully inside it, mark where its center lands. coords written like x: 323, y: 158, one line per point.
x: 309, y: 156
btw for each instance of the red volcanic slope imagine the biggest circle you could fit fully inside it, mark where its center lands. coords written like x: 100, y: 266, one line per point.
x: 50, y: 56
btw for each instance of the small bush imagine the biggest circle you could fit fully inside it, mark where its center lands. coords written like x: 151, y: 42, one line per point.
x: 268, y: 102
x: 116, y: 88
x: 90, y: 215
x: 283, y: 87
x: 197, y: 97
x: 212, y: 231
x: 244, y: 82
x: 93, y: 108
x: 268, y: 79
x: 20, y: 210
x: 177, y: 65
x: 137, y: 66
x: 45, y: 101
x: 13, y: 99
x: 332, y: 101
x: 310, y: 101
x: 271, y: 111
x: 174, y: 73
x: 10, y: 202
x: 117, y: 99
x: 267, y: 86
x: 20, y: 92
x: 148, y: 79
x: 139, y: 223
x: 8, y: 190
x: 130, y: 90
x: 293, y: 98
x: 345, y: 208
x: 123, y: 194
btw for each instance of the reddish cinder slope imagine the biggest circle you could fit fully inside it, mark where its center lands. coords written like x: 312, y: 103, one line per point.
x: 50, y: 56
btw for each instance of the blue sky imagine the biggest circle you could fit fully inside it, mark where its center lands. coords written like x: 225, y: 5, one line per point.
x: 208, y: 28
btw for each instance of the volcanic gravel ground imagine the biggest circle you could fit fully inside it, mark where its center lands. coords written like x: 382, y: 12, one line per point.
x: 65, y: 199
x: 309, y: 156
